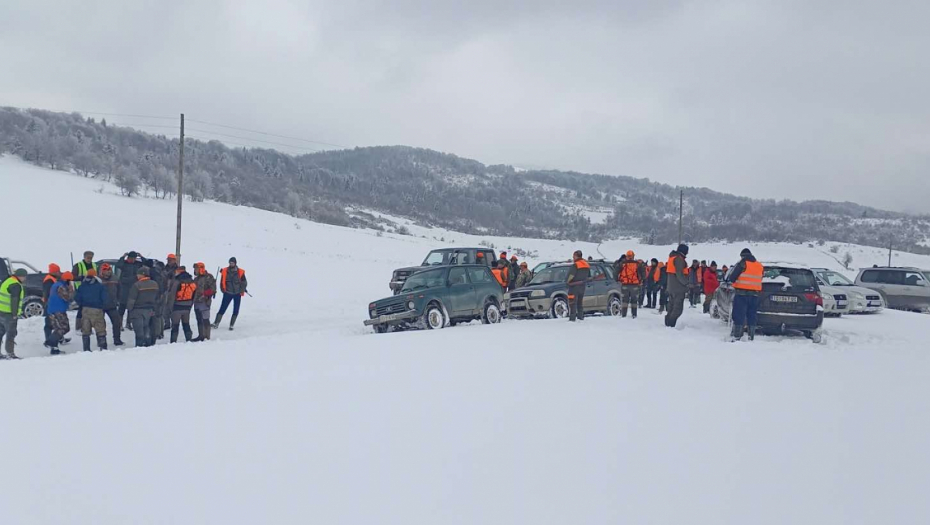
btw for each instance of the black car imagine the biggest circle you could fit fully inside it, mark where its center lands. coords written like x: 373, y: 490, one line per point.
x: 32, y: 302
x: 547, y: 293
x: 442, y: 257
x: 790, y: 301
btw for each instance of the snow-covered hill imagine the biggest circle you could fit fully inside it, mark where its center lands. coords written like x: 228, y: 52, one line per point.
x: 302, y: 415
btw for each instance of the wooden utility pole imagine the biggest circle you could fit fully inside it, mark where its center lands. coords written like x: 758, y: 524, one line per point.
x: 681, y: 203
x: 177, y: 250
x: 890, y: 243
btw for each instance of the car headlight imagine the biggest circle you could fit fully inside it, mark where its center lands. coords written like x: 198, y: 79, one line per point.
x: 538, y: 293
x: 827, y: 296
x: 507, y: 296
x: 411, y: 305
x: 372, y: 313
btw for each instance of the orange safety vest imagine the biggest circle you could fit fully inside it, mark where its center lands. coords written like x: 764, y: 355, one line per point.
x: 581, y: 263
x: 657, y: 275
x: 185, y: 292
x: 498, y: 275
x: 629, y: 274
x: 700, y: 276
x: 50, y: 277
x: 751, y: 278
x: 223, y: 273
x: 670, y: 266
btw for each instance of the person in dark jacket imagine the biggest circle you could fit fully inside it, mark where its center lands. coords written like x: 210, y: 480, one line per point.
x: 711, y: 283
x: 746, y: 277
x: 128, y: 267
x: 59, y: 301
x: 12, y: 296
x: 663, y: 287
x: 513, y: 273
x: 525, y: 275
x: 167, y: 274
x: 111, y: 308
x: 694, y: 280
x: 206, y: 291
x: 140, y: 304
x: 54, y: 274
x: 632, y: 275
x: 181, y: 297
x: 160, y: 320
x: 652, y: 284
x: 92, y: 298
x: 577, y: 281
x: 234, y: 285
x: 679, y: 284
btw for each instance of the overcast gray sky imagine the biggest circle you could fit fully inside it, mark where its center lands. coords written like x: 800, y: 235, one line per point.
x: 782, y: 99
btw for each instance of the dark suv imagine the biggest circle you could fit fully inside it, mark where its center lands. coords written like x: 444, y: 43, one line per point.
x: 441, y: 257
x: 437, y: 297
x: 790, y: 301
x: 32, y: 302
x: 547, y: 294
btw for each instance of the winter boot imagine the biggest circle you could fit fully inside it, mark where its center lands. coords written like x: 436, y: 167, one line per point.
x: 634, y: 312
x: 218, y: 320
x: 188, y: 333
x: 117, y: 340
x: 752, y: 333
x: 232, y: 322
x: 207, y: 327
x: 65, y: 340
x: 174, y: 334
x: 86, y: 340
x: 623, y: 310
x: 102, y: 342
x: 736, y: 334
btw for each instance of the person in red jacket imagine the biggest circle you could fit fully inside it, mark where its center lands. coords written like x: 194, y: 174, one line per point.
x: 711, y: 283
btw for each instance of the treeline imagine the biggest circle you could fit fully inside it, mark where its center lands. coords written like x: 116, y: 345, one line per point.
x: 435, y: 189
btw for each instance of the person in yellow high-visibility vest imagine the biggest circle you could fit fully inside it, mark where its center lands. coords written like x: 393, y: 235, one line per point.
x: 746, y: 277
x: 80, y: 272
x: 12, y: 293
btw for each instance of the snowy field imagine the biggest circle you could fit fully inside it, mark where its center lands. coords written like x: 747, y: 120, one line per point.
x: 304, y: 416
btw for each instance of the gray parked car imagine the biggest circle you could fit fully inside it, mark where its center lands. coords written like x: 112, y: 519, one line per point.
x: 900, y: 288
x: 547, y: 294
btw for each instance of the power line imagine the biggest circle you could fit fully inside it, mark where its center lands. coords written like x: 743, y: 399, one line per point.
x: 266, y: 133
x: 226, y: 142
x: 120, y: 114
x: 254, y: 140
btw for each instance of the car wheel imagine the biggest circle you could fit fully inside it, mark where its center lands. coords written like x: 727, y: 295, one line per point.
x: 434, y: 319
x: 614, y: 306
x: 559, y: 308
x: 382, y: 328
x: 816, y: 336
x: 33, y: 307
x: 491, y: 314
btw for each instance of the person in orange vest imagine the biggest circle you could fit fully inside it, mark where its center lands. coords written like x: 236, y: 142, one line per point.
x: 54, y: 274
x: 234, y: 285
x: 746, y: 277
x: 498, y: 273
x: 653, y: 275
x: 678, y: 284
x: 181, y: 294
x: 577, y: 283
x: 504, y: 266
x: 632, y: 275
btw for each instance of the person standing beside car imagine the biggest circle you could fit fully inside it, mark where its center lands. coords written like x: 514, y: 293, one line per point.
x: 577, y: 281
x: 678, y: 286
x: 746, y: 277
x: 79, y: 272
x: 92, y: 298
x: 59, y: 301
x: 128, y: 267
x: 140, y: 304
x: 525, y: 275
x: 711, y: 283
x: 513, y: 273
x: 111, y: 307
x: 12, y: 295
x: 54, y: 274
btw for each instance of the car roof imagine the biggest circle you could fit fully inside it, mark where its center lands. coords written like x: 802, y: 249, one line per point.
x: 889, y: 268
x: 462, y: 248
x: 787, y: 265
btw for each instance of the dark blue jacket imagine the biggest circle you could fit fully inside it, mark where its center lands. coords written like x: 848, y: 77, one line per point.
x: 91, y: 294
x: 56, y: 305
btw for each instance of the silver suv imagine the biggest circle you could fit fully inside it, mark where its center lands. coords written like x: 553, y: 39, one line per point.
x: 901, y: 288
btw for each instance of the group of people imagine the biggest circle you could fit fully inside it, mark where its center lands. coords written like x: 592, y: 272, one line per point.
x: 510, y: 274
x: 150, y: 295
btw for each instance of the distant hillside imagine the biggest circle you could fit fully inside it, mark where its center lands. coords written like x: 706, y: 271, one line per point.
x: 438, y: 189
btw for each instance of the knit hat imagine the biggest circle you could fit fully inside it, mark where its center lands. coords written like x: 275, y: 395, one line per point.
x: 91, y: 272
x: 132, y: 255
x: 143, y: 271
x: 106, y: 267
x: 171, y: 256
x: 232, y: 260
x: 682, y: 249
x: 54, y: 268
x: 745, y: 253
x: 630, y: 254
x: 67, y: 276
x: 513, y: 257
x: 20, y: 273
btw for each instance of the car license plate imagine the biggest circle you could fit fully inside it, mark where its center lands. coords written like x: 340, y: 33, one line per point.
x: 783, y: 299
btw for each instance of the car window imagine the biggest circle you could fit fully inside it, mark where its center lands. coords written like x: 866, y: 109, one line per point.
x: 457, y: 276
x: 552, y: 274
x: 597, y: 274
x: 427, y: 279
x: 927, y: 276
x: 834, y: 279
x: 788, y: 279
x: 891, y: 277
x: 436, y: 258
x: 870, y: 276
x: 480, y: 275
x: 914, y: 279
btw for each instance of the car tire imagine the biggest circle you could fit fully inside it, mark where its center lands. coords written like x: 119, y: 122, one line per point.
x: 491, y: 314
x: 434, y: 318
x: 559, y: 309
x: 815, y: 336
x: 382, y: 328
x: 33, y: 307
x: 614, y: 306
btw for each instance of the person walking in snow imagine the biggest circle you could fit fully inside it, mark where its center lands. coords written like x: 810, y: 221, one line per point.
x: 746, y: 277
x: 234, y: 285
x: 92, y: 298
x: 59, y: 301
x: 711, y: 283
x: 577, y: 282
x: 632, y: 275
x: 679, y: 284
x: 111, y: 307
x: 206, y: 291
x: 12, y: 296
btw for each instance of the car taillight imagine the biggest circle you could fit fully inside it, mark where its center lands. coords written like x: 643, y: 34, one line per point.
x: 815, y: 298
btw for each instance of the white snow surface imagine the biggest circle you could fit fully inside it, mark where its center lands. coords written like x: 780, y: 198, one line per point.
x: 304, y: 416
